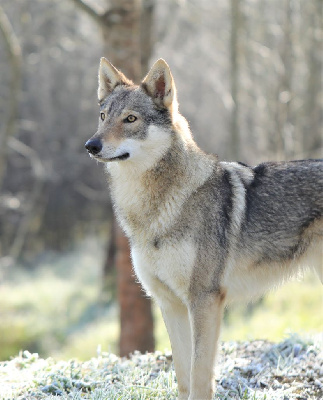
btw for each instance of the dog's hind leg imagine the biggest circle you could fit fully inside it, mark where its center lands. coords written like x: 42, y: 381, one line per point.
x: 205, y: 316
x: 176, y: 319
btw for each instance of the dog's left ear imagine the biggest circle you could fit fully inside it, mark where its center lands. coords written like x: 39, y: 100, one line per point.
x: 109, y: 78
x: 159, y: 84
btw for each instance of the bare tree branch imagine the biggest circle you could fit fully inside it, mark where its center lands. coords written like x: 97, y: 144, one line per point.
x: 30, y: 208
x: 31, y: 154
x: 14, y: 52
x: 92, y: 11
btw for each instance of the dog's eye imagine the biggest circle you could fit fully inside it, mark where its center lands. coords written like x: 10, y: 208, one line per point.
x: 131, y: 118
x: 102, y: 116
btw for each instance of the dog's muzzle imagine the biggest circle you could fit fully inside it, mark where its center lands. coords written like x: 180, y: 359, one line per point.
x: 93, y: 146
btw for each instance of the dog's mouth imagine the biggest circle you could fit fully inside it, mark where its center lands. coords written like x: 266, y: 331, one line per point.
x: 123, y: 156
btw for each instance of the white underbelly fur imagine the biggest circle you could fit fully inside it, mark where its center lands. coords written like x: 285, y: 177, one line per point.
x: 248, y: 281
x: 172, y: 265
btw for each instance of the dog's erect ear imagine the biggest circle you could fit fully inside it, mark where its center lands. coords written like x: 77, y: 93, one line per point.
x: 109, y: 78
x: 159, y: 84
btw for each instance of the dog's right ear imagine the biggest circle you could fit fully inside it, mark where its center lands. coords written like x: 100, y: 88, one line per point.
x: 109, y: 78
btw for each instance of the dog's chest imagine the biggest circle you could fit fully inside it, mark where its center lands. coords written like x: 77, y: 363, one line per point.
x: 142, y: 212
x: 169, y: 266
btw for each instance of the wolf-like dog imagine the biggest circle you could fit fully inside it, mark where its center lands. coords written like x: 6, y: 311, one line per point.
x: 203, y: 232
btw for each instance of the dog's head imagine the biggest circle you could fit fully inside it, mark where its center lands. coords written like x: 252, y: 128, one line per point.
x: 136, y: 122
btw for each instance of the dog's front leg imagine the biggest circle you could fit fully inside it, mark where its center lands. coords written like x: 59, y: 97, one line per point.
x: 176, y: 319
x: 205, y: 316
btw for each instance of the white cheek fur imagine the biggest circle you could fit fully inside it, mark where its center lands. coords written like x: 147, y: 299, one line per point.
x: 143, y: 153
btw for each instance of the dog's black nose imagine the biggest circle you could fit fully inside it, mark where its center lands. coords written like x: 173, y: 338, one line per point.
x: 93, y: 146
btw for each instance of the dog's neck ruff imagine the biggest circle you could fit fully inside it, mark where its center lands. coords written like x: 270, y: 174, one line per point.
x: 149, y: 201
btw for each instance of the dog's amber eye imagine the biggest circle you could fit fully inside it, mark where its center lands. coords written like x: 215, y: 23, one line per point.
x: 131, y: 118
x: 102, y: 116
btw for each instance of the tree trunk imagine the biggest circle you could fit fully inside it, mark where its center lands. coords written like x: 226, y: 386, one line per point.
x: 122, y: 25
x: 121, y: 33
x: 234, y: 52
x: 312, y: 142
x: 284, y: 129
x: 135, y: 309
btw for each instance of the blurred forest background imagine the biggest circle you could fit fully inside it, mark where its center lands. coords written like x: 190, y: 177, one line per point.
x: 249, y: 79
